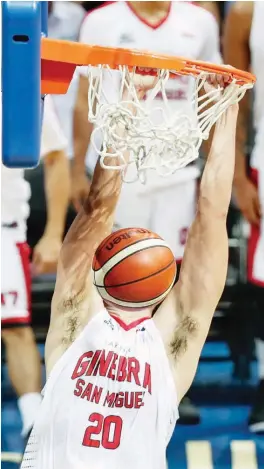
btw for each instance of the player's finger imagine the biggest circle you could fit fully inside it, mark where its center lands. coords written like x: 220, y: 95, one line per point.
x: 220, y: 79
x: 216, y: 79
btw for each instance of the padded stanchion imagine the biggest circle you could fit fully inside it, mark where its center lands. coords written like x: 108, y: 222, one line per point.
x: 21, y: 82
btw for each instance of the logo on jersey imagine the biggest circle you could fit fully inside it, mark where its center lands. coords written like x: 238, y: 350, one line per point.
x: 109, y: 323
x: 119, y: 347
x: 126, y: 39
x: 188, y: 34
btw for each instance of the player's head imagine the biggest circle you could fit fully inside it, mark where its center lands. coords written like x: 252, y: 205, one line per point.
x: 134, y: 269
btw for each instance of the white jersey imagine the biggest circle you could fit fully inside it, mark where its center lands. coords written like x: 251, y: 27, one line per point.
x: 256, y: 242
x: 15, y: 191
x: 109, y: 403
x: 187, y: 30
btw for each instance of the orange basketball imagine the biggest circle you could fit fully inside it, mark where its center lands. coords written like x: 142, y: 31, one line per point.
x: 134, y: 267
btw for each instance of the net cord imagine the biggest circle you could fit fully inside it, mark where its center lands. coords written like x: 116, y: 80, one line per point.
x: 166, y: 146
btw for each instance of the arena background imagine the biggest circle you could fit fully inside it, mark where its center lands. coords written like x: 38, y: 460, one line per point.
x: 225, y: 380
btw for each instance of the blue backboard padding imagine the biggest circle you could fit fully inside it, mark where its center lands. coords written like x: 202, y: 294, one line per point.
x: 44, y: 18
x: 21, y: 83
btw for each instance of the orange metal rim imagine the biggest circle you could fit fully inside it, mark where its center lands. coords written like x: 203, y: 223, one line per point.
x: 77, y: 54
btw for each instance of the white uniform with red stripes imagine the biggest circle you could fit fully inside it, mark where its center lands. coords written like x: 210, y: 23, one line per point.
x: 166, y: 206
x: 109, y: 403
x: 15, y: 194
x: 256, y: 240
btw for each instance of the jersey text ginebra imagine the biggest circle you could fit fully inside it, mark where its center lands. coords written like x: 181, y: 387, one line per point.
x: 114, y: 367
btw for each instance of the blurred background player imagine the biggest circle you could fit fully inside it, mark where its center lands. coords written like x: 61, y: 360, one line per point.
x: 176, y: 28
x: 65, y: 19
x: 22, y: 356
x: 64, y: 22
x: 244, y: 48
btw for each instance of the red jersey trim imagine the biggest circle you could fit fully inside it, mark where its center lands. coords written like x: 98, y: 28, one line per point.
x: 144, y: 21
x: 24, y: 253
x: 128, y: 327
x: 24, y: 321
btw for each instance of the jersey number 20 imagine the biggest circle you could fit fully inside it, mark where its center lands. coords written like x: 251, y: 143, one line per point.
x: 108, y: 428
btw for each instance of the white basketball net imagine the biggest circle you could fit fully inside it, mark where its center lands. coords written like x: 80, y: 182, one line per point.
x: 164, y: 145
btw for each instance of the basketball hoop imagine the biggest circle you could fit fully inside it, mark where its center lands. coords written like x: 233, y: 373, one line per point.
x: 173, y: 141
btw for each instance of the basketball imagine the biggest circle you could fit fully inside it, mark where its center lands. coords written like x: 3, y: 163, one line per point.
x: 134, y: 267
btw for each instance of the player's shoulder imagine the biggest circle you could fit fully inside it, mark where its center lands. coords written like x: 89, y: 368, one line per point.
x: 65, y: 20
x: 105, y: 13
x: 239, y: 18
x: 196, y: 10
x: 69, y: 9
x: 242, y: 9
x: 99, y: 25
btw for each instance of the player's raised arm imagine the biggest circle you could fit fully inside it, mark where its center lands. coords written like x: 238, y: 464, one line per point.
x: 75, y: 300
x: 92, y: 224
x: 190, y: 306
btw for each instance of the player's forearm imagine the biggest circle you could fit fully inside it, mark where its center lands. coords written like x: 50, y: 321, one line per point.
x: 241, y: 141
x: 82, y: 130
x: 206, y: 144
x: 95, y: 220
x: 99, y: 207
x: 92, y: 224
x: 217, y: 179
x: 57, y: 190
x: 105, y: 187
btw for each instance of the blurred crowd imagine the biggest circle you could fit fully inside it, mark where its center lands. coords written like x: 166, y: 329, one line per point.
x: 209, y: 31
